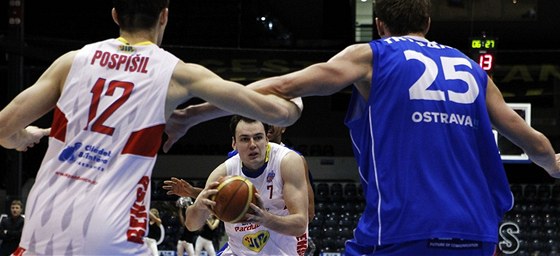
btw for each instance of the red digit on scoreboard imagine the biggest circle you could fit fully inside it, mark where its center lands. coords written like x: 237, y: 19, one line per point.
x: 486, y: 61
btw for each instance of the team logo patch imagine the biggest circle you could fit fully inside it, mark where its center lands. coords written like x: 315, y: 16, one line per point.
x: 256, y: 242
x: 270, y: 177
x: 69, y: 153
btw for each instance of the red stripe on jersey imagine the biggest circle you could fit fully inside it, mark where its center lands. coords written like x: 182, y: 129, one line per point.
x: 58, y: 127
x: 18, y: 252
x: 145, y: 142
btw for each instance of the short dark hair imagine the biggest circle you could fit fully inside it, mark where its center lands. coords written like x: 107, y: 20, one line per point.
x: 17, y: 202
x: 237, y: 118
x: 136, y: 15
x: 404, y: 16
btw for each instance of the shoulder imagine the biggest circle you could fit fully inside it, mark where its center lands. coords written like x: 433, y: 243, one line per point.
x: 188, y: 72
x: 66, y: 59
x: 220, y: 171
x: 357, y: 51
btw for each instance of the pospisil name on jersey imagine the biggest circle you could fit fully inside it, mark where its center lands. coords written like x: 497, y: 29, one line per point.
x: 124, y: 62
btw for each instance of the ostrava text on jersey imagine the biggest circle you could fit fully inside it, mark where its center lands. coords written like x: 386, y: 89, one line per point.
x: 427, y: 96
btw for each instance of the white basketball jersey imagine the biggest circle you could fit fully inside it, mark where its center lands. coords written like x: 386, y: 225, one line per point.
x: 92, y: 193
x: 250, y: 238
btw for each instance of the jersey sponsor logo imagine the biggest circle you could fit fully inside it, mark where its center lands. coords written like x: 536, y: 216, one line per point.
x: 91, y: 157
x: 256, y: 242
x: 509, y: 243
x: 247, y: 227
x: 69, y: 153
x: 138, y: 213
x: 301, y: 244
x: 127, y: 48
x: 76, y: 177
x: 442, y: 118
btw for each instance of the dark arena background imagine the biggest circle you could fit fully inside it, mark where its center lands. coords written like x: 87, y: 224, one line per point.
x: 516, y: 41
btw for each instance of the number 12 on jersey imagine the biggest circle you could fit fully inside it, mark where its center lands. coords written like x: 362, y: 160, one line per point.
x: 97, y: 91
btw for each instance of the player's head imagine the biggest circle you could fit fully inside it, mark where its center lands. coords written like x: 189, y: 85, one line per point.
x: 140, y: 15
x: 274, y: 133
x: 16, y: 207
x: 250, y: 141
x: 155, y: 212
x: 402, y: 17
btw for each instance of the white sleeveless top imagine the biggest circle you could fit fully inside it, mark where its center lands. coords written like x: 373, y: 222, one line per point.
x: 250, y: 238
x: 92, y: 192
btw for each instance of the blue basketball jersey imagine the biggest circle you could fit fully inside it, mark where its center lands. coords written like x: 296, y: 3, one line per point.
x: 425, y: 149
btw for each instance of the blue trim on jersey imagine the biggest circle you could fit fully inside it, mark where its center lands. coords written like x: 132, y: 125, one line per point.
x: 219, y: 252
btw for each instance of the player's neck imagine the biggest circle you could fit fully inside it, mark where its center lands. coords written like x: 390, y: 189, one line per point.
x: 136, y: 38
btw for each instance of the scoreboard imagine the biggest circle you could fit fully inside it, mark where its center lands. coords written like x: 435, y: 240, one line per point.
x: 483, y: 51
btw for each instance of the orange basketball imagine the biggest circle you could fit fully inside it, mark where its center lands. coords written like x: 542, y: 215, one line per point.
x: 235, y: 193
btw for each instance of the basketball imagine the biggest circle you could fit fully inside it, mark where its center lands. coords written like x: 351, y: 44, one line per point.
x: 235, y: 193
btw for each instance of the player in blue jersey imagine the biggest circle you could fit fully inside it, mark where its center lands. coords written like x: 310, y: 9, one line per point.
x: 420, y: 119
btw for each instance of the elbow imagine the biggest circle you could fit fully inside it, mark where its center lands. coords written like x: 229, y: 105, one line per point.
x: 292, y: 112
x: 300, y: 226
x: 541, y: 147
x: 300, y: 230
x: 290, y: 116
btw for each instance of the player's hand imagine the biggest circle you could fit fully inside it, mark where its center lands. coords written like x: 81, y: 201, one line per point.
x: 203, y: 200
x: 176, y: 127
x: 259, y: 214
x: 31, y: 135
x: 180, y: 187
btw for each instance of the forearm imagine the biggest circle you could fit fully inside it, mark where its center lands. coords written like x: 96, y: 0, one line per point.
x: 196, y: 217
x: 14, y: 140
x: 291, y: 225
x: 196, y: 192
x: 543, y: 155
x: 205, y: 111
x: 189, y: 193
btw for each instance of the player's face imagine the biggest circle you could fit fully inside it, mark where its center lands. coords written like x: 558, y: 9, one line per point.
x: 274, y: 133
x: 15, y: 209
x: 250, y: 142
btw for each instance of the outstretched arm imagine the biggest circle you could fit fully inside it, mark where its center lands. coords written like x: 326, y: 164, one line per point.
x: 182, y: 120
x: 31, y: 104
x: 180, y: 187
x: 512, y: 126
x: 350, y: 66
x: 25, y: 138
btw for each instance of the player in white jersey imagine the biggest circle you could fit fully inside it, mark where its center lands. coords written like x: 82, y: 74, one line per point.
x: 278, y: 175
x: 111, y: 101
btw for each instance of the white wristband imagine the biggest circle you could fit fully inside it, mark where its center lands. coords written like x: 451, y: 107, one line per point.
x: 299, y: 103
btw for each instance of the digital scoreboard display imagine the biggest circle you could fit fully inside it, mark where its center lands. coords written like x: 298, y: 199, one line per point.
x: 483, y: 43
x: 482, y: 50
